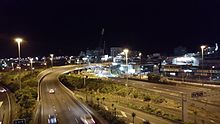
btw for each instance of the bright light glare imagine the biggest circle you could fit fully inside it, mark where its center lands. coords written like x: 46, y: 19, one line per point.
x: 203, y: 46
x: 140, y: 54
x: 51, y: 55
x: 18, y: 40
x: 125, y: 50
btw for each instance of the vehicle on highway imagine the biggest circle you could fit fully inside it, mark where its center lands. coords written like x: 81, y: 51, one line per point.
x: 19, y: 121
x: 87, y: 119
x: 2, y: 90
x: 52, y: 119
x: 51, y: 91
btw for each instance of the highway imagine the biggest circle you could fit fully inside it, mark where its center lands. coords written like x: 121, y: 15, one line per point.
x: 62, y: 104
x: 5, y: 106
x: 67, y: 110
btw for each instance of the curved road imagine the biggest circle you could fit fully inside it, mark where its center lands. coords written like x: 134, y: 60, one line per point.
x: 61, y: 103
x: 5, y: 106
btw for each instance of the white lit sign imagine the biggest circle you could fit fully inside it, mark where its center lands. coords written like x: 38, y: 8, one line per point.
x: 186, y: 61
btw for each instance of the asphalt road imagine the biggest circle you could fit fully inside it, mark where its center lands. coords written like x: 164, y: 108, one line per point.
x: 174, y: 92
x: 5, y: 108
x: 61, y: 103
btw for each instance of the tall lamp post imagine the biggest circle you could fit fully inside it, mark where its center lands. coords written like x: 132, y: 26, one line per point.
x: 211, y: 72
x: 126, y: 61
x: 51, y: 59
x: 126, y: 55
x: 31, y: 61
x: 19, y: 40
x: 140, y: 55
x: 202, y: 48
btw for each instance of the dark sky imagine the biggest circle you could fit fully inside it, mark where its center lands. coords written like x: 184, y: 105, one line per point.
x: 67, y: 27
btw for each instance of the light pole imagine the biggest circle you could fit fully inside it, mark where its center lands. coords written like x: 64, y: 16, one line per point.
x: 202, y: 48
x: 126, y: 55
x: 19, y: 40
x: 12, y: 65
x: 211, y: 72
x: 51, y: 59
x: 126, y: 61
x: 31, y: 61
x: 140, y: 54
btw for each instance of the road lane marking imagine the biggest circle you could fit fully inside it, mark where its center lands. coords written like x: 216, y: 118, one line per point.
x: 76, y: 121
x: 106, y: 108
x: 212, y: 121
x: 138, y: 117
x: 123, y: 114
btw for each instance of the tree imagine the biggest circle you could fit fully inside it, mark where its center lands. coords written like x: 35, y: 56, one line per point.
x: 112, y: 105
x: 98, y: 101
x: 103, y: 99
x: 153, y: 77
x: 133, y: 115
x: 115, y: 112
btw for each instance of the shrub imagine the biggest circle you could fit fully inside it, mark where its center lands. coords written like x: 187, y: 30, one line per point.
x: 159, y: 112
x: 159, y: 100
x: 153, y: 77
x: 26, y: 97
x: 147, y: 98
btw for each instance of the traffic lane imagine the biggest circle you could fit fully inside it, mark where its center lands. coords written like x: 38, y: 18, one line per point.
x: 165, y: 87
x: 46, y: 103
x: 64, y: 104
x: 50, y: 104
x: 170, y: 94
x: 58, y: 101
x: 3, y: 99
x: 4, y: 109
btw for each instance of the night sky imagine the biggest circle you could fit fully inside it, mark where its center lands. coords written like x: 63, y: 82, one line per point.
x: 65, y: 28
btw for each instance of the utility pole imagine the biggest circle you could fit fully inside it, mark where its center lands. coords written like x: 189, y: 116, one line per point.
x: 184, y: 107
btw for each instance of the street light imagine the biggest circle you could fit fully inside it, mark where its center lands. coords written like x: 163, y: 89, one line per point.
x: 211, y: 72
x: 31, y: 61
x: 140, y: 54
x: 126, y: 55
x: 19, y: 40
x: 51, y: 59
x: 12, y: 65
x: 202, y: 48
x: 126, y: 61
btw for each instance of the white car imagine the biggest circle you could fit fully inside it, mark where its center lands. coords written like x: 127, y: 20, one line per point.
x: 2, y: 90
x: 87, y: 119
x: 51, y: 91
x: 52, y: 119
